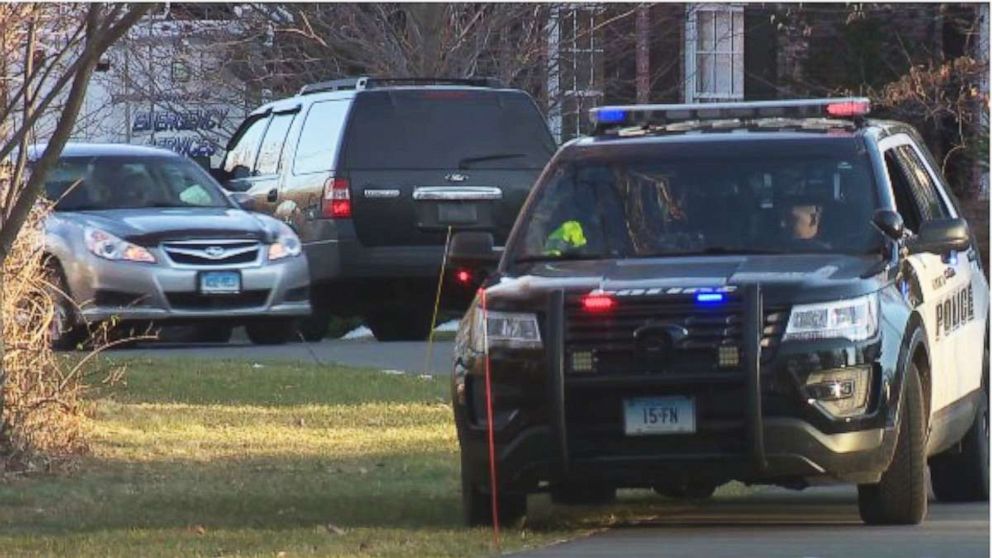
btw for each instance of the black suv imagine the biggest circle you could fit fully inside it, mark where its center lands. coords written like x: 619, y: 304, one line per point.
x: 371, y: 173
x: 772, y: 292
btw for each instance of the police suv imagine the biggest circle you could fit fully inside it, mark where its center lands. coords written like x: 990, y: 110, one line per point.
x: 771, y: 292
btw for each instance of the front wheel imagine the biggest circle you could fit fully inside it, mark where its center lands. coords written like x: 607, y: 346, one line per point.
x: 270, y: 332
x: 65, y: 332
x: 963, y: 476
x: 477, y: 507
x: 900, y: 497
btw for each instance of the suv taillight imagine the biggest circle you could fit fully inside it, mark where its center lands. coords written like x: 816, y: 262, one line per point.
x: 337, y: 199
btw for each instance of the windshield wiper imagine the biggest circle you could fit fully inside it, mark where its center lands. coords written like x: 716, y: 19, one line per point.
x: 716, y: 250
x: 466, y: 161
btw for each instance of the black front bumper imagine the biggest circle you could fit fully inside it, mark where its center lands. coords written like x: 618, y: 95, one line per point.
x: 778, y: 441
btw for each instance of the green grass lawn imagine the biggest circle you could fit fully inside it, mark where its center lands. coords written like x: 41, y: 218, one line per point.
x: 199, y: 458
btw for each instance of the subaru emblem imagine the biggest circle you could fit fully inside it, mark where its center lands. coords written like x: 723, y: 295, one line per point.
x: 456, y: 177
x: 214, y: 252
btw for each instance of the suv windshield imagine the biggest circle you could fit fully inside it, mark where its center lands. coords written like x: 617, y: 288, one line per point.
x: 446, y: 129
x: 128, y: 182
x: 765, y: 201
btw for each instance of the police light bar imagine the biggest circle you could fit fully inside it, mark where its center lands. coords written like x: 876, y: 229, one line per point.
x: 609, y: 117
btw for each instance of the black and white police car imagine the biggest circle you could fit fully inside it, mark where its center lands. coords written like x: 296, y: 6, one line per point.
x: 771, y: 292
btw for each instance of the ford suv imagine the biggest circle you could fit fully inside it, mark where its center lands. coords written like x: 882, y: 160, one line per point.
x: 776, y: 292
x: 373, y: 173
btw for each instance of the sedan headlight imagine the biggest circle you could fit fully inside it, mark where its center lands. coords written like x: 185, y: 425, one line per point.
x: 513, y: 330
x: 108, y: 246
x: 286, y: 246
x: 855, y: 319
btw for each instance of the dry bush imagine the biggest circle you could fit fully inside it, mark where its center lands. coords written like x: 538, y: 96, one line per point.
x: 43, y: 410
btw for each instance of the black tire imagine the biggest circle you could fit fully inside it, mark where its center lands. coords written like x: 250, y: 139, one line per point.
x: 582, y: 495
x: 270, y: 332
x: 688, y: 491
x: 212, y: 333
x: 411, y: 325
x: 963, y: 475
x: 314, y: 327
x: 477, y: 505
x: 66, y: 332
x: 900, y: 497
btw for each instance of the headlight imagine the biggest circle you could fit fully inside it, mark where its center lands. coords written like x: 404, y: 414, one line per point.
x: 505, y: 329
x: 855, y: 319
x: 286, y: 246
x: 108, y: 246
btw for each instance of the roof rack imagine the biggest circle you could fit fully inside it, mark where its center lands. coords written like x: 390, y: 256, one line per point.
x: 614, y: 118
x: 361, y: 83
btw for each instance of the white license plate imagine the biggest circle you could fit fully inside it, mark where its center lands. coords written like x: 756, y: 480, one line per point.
x: 220, y: 282
x: 659, y: 415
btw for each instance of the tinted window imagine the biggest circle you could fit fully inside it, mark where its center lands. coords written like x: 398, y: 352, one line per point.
x: 903, y: 192
x: 924, y: 189
x: 243, y: 152
x: 94, y: 183
x: 659, y: 206
x: 320, y: 136
x: 275, y: 138
x: 446, y: 129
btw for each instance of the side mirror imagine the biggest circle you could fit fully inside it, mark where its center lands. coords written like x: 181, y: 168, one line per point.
x: 243, y: 200
x: 941, y: 236
x: 890, y: 223
x: 473, y: 249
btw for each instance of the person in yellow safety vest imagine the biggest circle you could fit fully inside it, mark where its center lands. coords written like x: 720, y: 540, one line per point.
x: 568, y: 236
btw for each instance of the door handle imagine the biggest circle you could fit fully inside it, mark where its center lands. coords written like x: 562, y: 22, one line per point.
x: 272, y: 196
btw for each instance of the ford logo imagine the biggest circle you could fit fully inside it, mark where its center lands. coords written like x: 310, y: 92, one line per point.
x: 215, y: 252
x: 655, y: 341
x: 456, y: 177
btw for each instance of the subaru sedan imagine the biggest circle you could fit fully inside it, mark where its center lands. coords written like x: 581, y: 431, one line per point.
x: 142, y: 236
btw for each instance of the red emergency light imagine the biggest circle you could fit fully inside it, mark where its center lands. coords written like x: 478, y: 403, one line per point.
x: 463, y: 276
x: 847, y: 109
x: 597, y: 303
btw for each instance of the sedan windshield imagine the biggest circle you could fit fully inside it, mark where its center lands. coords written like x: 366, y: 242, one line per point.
x: 128, y: 182
x: 765, y: 203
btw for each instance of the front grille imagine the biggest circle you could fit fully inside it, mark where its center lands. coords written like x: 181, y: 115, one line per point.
x: 211, y: 253
x: 609, y: 338
x: 197, y: 301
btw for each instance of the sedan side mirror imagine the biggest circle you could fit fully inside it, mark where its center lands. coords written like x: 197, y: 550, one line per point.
x: 473, y: 249
x: 890, y: 223
x: 941, y: 236
x: 243, y: 200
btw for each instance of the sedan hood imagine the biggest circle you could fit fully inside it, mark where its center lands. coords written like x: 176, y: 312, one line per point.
x: 149, y: 227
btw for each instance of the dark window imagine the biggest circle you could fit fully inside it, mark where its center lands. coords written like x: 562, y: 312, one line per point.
x: 446, y: 129
x: 320, y: 137
x: 903, y: 192
x: 717, y: 200
x: 245, y: 148
x: 924, y: 189
x: 271, y: 150
x: 126, y: 182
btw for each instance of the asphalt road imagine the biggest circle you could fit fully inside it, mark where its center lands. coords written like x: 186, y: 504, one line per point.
x: 409, y: 357
x: 776, y: 523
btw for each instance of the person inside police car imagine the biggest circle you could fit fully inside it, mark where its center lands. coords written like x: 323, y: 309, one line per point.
x: 802, y: 219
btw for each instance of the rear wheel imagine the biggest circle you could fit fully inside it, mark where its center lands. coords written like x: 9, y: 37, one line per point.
x: 963, y: 476
x: 477, y: 505
x: 399, y: 325
x: 270, y: 332
x: 900, y: 497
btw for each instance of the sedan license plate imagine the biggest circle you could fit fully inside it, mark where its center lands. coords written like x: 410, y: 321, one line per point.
x: 220, y: 282
x: 457, y: 213
x: 659, y: 415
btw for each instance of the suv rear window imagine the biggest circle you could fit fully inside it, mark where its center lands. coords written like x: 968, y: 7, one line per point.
x: 446, y: 129
x: 719, y: 200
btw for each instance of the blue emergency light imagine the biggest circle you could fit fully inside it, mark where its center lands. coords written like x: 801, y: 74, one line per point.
x: 608, y: 115
x: 709, y: 298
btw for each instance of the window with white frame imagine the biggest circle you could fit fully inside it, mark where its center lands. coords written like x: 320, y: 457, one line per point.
x: 714, y: 52
x: 575, y: 59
